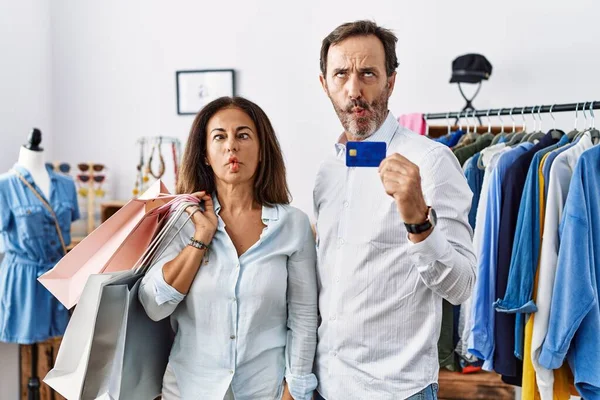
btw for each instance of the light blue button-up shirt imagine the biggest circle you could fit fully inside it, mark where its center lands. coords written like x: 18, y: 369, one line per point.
x: 482, y: 333
x: 575, y: 312
x: 246, y: 322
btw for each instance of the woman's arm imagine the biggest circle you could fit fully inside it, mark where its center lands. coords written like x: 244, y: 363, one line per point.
x: 302, y: 316
x: 172, y: 275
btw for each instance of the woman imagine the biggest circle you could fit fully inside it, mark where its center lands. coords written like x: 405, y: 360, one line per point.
x: 244, y: 310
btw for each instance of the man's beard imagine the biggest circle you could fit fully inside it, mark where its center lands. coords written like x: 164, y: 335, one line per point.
x: 363, y: 127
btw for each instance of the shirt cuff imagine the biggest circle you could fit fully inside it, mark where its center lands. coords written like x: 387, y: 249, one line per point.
x: 301, y: 386
x: 550, y: 359
x: 505, y: 307
x: 163, y: 292
x: 429, y: 250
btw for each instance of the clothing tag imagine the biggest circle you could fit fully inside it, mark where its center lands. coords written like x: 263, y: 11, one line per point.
x: 365, y: 154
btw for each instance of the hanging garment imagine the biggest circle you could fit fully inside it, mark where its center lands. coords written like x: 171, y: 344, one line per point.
x: 525, y: 251
x: 465, y: 320
x: 28, y: 312
x: 505, y: 362
x: 550, y: 382
x: 481, y: 143
x: 575, y: 312
x: 482, y: 341
x: 474, y: 175
x: 414, y: 122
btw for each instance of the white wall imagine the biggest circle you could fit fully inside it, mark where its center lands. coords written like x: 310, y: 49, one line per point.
x: 25, y: 90
x: 96, y: 75
x: 25, y: 76
x: 115, y: 63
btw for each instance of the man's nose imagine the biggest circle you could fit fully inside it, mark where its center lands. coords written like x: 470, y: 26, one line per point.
x: 354, y: 87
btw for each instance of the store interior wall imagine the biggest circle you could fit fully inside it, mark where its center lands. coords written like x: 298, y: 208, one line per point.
x: 94, y: 76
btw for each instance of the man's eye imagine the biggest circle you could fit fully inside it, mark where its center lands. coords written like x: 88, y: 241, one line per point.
x: 340, y: 74
x: 369, y: 74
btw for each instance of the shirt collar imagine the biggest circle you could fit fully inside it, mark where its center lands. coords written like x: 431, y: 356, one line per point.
x: 385, y: 133
x: 268, y: 213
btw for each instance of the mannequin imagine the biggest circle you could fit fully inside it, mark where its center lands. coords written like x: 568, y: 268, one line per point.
x: 31, y: 157
x: 35, y: 205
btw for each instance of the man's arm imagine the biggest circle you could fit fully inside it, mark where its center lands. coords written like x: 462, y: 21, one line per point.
x: 444, y: 254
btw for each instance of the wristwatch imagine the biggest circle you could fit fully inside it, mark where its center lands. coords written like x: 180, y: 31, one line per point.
x: 425, y: 226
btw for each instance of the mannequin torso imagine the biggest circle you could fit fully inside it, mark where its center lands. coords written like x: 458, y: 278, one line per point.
x: 34, y: 162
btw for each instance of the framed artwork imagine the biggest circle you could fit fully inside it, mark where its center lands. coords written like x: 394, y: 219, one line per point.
x: 197, y: 88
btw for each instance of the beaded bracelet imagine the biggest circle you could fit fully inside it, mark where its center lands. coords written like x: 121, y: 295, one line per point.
x: 197, y: 244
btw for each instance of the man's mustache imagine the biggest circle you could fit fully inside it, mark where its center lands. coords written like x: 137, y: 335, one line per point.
x: 357, y: 103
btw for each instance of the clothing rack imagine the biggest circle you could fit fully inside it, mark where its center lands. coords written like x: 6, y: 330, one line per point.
x: 570, y: 107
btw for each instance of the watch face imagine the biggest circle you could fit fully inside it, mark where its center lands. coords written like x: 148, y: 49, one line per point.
x: 432, y: 216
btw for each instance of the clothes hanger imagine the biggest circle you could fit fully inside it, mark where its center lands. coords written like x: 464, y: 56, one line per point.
x: 585, y: 124
x: 556, y: 133
x: 498, y: 136
x: 571, y: 135
x: 594, y: 133
x: 537, y: 134
x: 518, y: 136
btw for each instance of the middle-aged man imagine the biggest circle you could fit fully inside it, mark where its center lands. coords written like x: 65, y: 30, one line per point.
x: 385, y: 260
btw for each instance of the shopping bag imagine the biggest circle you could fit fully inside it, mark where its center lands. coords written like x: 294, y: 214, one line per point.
x: 129, y: 361
x: 114, y: 246
x: 111, y: 348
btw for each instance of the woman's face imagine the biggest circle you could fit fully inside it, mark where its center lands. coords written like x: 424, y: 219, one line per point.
x: 232, y: 146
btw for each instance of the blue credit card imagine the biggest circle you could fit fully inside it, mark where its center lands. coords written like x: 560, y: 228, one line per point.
x: 365, y: 154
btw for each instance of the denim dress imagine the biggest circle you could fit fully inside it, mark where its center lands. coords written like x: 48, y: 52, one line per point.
x: 31, y: 247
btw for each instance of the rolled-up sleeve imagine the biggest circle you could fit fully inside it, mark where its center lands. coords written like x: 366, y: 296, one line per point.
x: 445, y: 259
x: 158, y: 298
x: 302, y: 316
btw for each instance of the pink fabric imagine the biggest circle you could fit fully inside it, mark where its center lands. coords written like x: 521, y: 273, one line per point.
x: 415, y: 122
x: 116, y: 245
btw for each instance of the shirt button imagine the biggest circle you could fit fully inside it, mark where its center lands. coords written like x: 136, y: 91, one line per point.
x: 234, y: 299
x: 332, y: 318
x: 334, y: 353
x: 337, y: 278
x: 231, y: 371
x: 340, y: 241
x: 346, y: 204
x: 232, y: 337
x: 238, y: 265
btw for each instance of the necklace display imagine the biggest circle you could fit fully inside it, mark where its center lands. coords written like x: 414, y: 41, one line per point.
x: 147, y: 167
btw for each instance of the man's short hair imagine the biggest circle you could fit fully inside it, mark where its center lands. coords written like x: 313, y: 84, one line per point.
x: 362, y: 28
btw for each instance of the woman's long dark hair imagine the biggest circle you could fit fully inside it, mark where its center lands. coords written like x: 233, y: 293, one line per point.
x: 270, y: 185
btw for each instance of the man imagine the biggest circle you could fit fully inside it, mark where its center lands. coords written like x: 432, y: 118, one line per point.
x: 385, y: 260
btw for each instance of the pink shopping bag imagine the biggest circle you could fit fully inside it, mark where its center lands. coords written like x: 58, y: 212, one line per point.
x: 116, y: 245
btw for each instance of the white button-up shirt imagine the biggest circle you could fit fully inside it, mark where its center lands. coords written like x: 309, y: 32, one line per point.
x: 246, y: 322
x: 380, y: 297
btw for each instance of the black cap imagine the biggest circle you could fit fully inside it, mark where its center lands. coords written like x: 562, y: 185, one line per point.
x: 470, y: 68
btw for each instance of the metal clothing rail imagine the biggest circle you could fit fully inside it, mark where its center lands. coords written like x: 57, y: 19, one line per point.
x: 571, y: 107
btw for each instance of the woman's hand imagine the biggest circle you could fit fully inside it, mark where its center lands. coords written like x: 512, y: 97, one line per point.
x: 205, y: 221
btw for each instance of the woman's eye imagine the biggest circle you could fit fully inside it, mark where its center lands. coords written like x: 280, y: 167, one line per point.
x: 219, y: 137
x: 244, y: 136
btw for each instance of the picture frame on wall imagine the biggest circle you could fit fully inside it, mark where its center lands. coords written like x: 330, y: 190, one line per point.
x: 196, y: 88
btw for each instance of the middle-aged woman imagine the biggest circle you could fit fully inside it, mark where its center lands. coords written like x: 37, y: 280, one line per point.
x: 239, y: 282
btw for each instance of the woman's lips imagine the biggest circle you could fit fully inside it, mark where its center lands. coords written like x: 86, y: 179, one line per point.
x: 234, y: 164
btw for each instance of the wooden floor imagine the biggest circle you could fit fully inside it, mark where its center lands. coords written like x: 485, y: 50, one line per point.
x: 476, y: 386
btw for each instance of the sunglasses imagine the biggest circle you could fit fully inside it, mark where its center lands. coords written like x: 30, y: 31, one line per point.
x: 83, y: 167
x: 62, y: 167
x: 86, y: 178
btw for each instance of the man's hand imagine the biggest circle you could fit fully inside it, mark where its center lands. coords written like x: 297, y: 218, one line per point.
x: 286, y: 392
x: 402, y: 180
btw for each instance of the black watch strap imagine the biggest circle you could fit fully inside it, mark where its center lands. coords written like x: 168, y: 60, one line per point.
x: 418, y: 228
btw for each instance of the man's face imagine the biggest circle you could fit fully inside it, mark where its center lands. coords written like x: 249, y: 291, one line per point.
x: 357, y: 84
